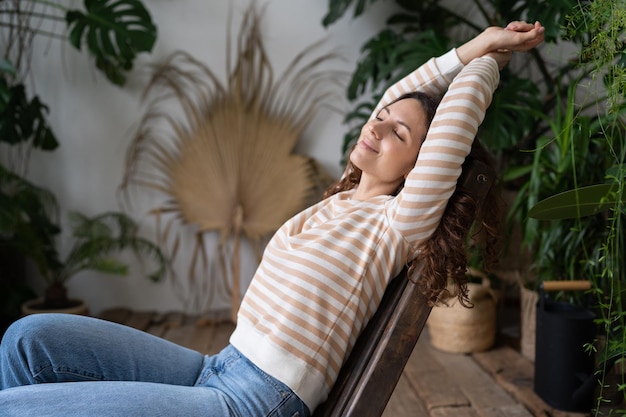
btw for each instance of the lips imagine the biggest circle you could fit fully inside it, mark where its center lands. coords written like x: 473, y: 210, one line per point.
x: 365, y: 144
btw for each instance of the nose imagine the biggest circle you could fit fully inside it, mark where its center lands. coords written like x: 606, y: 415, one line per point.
x: 375, y: 133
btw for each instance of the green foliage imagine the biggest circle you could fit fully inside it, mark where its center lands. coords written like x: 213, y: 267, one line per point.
x: 115, y: 31
x: 337, y: 8
x: 579, y: 202
x: 27, y: 220
x: 22, y: 119
x: 604, y: 50
x: 96, y: 243
x: 552, y: 132
x: 27, y: 228
x: 423, y: 29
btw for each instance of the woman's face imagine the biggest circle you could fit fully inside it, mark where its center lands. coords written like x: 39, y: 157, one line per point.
x: 389, y: 144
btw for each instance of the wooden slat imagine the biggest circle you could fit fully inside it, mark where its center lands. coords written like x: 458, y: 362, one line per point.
x: 159, y: 325
x: 369, y: 375
x: 404, y: 401
x: 180, y: 330
x: 116, y: 315
x: 515, y: 410
x: 221, y: 335
x: 201, y: 338
x: 428, y: 377
x: 141, y: 320
x: 454, y: 412
x: 515, y: 374
x: 479, y: 387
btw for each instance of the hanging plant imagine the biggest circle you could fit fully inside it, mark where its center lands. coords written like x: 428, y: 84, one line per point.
x: 224, y: 159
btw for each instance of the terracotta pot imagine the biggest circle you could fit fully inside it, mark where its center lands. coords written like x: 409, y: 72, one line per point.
x: 35, y: 307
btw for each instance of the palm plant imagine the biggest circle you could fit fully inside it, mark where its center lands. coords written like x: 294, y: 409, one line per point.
x: 95, y: 245
x: 222, y: 154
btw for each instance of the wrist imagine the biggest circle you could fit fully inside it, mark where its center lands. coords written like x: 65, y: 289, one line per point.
x: 474, y: 48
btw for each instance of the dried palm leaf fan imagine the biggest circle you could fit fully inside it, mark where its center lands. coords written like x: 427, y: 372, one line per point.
x: 225, y: 161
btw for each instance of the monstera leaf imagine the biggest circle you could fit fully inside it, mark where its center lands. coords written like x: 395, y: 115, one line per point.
x: 115, y: 31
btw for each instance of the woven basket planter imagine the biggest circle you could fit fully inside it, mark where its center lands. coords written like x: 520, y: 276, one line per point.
x: 458, y: 329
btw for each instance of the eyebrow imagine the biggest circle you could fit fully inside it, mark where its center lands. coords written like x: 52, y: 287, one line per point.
x: 399, y: 121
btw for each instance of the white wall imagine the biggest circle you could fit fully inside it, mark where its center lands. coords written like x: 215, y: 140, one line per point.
x: 94, y: 120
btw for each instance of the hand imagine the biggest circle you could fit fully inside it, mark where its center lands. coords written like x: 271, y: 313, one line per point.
x: 524, y: 36
x: 516, y: 36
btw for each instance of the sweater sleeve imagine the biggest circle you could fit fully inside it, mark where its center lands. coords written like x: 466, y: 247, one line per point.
x: 417, y: 210
x: 432, y: 78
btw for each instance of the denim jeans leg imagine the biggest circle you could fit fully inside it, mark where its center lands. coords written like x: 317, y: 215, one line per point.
x: 139, y: 374
x: 113, y: 399
x: 249, y: 390
x: 66, y: 348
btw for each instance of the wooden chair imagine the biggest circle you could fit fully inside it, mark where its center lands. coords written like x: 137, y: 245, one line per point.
x: 370, y: 373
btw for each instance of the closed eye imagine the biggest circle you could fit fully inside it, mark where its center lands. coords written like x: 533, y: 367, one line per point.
x: 399, y: 122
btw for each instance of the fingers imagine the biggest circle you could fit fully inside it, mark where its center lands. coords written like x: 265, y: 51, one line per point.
x: 528, y: 36
x: 518, y: 26
x: 535, y: 29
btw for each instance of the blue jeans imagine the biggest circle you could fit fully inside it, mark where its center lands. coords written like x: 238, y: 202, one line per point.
x: 137, y: 374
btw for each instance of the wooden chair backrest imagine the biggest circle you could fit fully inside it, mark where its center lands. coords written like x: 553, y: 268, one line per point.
x: 370, y: 373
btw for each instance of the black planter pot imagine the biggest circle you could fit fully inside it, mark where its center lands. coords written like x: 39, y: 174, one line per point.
x: 563, y: 368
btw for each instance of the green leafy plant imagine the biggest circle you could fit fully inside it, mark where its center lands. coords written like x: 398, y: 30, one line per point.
x: 27, y: 228
x: 96, y: 243
x: 549, y: 129
x: 420, y: 30
x: 572, y: 153
x: 600, y: 202
x: 113, y: 33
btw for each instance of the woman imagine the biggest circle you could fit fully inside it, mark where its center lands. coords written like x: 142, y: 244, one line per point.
x: 321, y: 278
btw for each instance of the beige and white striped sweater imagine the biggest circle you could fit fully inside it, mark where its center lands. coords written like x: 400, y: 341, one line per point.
x: 324, y: 272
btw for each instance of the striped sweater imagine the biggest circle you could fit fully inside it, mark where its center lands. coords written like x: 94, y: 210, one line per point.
x: 324, y: 272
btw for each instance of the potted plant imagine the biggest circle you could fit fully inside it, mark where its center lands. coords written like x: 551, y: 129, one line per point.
x: 28, y: 227
x: 113, y: 33
x: 96, y: 243
x: 601, y: 202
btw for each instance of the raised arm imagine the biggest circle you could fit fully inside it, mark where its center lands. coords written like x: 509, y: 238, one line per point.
x: 435, y: 75
x: 419, y: 206
x: 432, y: 78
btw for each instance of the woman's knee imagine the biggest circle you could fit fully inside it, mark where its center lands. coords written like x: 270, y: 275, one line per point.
x: 34, y: 328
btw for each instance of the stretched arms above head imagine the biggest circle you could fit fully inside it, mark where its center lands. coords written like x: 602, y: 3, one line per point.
x: 516, y: 36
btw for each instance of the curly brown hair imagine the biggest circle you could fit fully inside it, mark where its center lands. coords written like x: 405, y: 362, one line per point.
x: 466, y: 224
x: 443, y: 258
